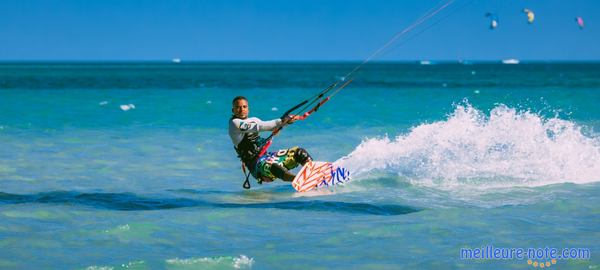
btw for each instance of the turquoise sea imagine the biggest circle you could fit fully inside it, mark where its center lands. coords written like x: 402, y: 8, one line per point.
x: 129, y: 166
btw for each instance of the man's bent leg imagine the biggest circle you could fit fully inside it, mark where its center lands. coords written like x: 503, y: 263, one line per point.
x: 282, y: 173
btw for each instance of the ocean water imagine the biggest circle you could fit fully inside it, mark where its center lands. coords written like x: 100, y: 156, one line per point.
x: 129, y: 166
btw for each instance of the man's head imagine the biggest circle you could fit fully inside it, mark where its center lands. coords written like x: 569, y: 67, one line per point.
x: 240, y: 107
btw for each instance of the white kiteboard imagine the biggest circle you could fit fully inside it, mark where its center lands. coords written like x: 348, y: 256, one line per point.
x: 317, y: 174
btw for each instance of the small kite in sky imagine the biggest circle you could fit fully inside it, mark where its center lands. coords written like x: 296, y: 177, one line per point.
x: 530, y: 15
x: 494, y: 20
x: 579, y: 21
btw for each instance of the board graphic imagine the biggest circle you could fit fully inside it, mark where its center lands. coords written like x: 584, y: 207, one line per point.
x: 318, y: 174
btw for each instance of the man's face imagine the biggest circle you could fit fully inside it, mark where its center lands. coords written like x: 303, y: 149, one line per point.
x: 240, y: 109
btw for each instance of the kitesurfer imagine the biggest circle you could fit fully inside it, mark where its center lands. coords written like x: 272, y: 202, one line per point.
x: 243, y: 131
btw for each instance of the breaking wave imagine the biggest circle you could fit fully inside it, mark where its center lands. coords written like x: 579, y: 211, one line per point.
x: 476, y: 151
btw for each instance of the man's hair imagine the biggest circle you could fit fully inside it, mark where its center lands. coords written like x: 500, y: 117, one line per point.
x: 238, y: 98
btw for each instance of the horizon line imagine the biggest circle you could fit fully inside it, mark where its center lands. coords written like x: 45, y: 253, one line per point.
x: 416, y: 61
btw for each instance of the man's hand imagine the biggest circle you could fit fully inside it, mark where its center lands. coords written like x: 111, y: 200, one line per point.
x: 290, y: 119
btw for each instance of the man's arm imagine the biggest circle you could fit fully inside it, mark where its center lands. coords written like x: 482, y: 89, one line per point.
x: 255, y: 125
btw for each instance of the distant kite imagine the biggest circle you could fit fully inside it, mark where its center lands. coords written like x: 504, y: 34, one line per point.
x: 494, y: 20
x: 530, y: 15
x: 579, y: 21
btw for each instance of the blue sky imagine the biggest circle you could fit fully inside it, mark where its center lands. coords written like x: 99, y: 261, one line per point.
x: 308, y: 30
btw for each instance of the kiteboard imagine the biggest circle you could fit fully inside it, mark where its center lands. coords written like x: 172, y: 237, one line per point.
x: 318, y: 174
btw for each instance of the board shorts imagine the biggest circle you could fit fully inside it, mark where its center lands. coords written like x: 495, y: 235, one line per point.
x: 283, y: 157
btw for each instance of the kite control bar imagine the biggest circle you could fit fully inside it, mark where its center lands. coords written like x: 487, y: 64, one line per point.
x: 285, y: 118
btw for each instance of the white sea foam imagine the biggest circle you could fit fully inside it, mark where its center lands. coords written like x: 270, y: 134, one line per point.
x: 240, y: 262
x: 127, y: 107
x: 472, y: 150
x: 133, y: 265
x: 95, y: 267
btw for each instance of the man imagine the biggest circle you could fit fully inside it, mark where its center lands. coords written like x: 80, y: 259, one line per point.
x: 247, y: 143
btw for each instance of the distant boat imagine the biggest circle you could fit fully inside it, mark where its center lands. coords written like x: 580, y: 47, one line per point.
x: 510, y: 61
x: 176, y: 60
x: 425, y: 62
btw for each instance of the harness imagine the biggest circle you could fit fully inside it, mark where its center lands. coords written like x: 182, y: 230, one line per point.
x: 248, y: 150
